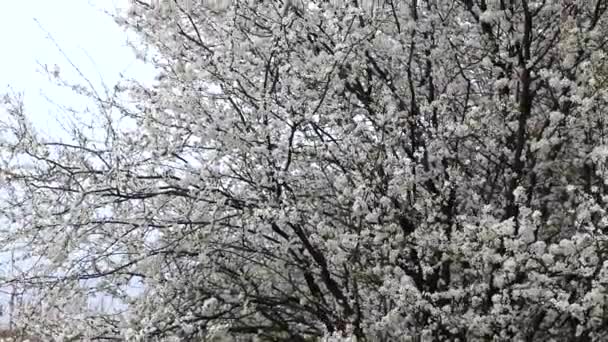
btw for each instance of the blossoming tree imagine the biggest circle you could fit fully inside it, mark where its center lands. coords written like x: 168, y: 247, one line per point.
x: 309, y: 169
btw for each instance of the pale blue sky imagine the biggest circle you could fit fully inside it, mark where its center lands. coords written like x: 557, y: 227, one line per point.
x: 87, y: 35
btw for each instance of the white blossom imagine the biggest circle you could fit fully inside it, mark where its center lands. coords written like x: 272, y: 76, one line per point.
x: 324, y: 170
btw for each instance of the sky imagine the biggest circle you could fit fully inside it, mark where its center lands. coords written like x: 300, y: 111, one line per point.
x: 35, y: 32
x: 39, y: 32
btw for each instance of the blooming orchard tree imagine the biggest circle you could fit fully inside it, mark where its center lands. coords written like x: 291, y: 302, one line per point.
x: 338, y: 170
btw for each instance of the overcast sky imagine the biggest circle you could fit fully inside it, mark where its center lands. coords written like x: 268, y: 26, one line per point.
x: 87, y: 35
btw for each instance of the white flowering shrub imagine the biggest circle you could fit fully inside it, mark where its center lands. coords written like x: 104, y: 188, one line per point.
x: 333, y: 171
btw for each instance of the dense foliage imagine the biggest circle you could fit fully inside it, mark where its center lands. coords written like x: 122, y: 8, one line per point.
x: 333, y: 170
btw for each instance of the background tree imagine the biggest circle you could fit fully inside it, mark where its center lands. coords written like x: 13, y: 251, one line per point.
x: 317, y: 169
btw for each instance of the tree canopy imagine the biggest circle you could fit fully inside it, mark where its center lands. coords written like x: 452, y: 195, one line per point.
x: 326, y: 170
